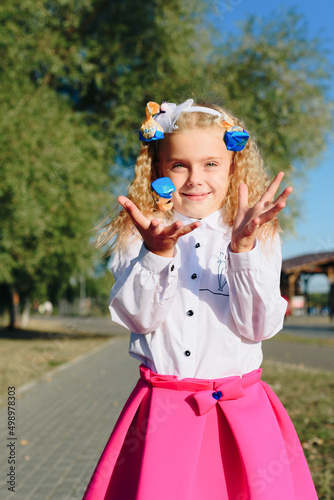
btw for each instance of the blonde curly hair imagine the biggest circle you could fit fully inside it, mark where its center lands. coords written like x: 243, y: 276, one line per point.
x: 247, y: 167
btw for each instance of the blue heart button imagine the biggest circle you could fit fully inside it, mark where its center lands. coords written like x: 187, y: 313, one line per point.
x: 217, y: 395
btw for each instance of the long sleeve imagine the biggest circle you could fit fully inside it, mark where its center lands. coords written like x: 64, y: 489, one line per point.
x: 204, y: 312
x: 144, y: 289
x: 255, y: 300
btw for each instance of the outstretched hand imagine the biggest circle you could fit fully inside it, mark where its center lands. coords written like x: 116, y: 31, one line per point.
x: 158, y: 239
x: 249, y: 220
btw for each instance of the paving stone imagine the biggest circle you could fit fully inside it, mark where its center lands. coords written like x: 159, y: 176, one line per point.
x: 66, y: 420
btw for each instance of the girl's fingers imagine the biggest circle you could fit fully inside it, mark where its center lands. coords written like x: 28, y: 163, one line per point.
x: 124, y: 201
x: 277, y: 205
x: 253, y: 225
x: 271, y: 190
x: 189, y: 228
x: 137, y: 217
x: 173, y: 228
x: 248, y: 220
x: 177, y: 229
x: 270, y: 214
x: 243, y: 197
x: 285, y: 195
x: 154, y: 227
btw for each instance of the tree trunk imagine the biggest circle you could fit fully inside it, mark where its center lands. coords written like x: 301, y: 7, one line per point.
x: 14, y: 309
x: 25, y: 313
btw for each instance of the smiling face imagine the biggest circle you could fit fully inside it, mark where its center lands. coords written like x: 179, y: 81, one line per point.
x: 198, y: 163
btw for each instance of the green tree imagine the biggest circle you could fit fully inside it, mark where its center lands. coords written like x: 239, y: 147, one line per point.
x: 114, y: 56
x: 72, y: 80
x: 75, y: 76
x: 54, y: 178
x: 276, y: 78
x: 111, y: 57
x: 53, y: 193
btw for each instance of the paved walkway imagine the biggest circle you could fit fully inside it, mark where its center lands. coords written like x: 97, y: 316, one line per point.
x: 64, y: 420
x: 305, y: 327
x: 305, y: 355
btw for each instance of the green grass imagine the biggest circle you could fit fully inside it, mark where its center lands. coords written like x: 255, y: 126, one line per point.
x: 307, y: 394
x: 26, y: 355
x: 296, y: 339
x: 308, y: 397
x: 54, y: 364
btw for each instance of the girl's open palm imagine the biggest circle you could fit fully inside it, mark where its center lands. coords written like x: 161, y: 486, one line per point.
x: 158, y: 238
x: 249, y: 220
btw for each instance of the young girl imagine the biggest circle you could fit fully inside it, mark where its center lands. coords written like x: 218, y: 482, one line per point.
x: 198, y: 287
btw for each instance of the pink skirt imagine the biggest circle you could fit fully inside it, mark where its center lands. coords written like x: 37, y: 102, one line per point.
x: 195, y: 439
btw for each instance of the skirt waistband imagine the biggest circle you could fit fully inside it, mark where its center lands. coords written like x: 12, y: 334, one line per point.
x: 195, y: 384
x: 202, y: 395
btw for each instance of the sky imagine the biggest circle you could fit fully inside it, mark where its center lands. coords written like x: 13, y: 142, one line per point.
x: 315, y: 230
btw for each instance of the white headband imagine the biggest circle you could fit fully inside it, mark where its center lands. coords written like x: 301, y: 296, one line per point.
x: 202, y: 109
x: 162, y: 119
x: 170, y: 113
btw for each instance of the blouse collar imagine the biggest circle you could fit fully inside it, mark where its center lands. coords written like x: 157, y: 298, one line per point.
x: 214, y: 221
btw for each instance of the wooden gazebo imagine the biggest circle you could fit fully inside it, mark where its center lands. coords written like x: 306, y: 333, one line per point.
x: 307, y: 265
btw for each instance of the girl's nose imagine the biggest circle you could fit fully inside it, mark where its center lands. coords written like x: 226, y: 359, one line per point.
x: 195, y: 177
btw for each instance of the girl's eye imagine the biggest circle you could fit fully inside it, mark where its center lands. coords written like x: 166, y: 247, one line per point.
x: 178, y: 166
x: 211, y: 164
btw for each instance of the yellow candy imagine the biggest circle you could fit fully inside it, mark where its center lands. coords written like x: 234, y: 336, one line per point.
x: 149, y: 127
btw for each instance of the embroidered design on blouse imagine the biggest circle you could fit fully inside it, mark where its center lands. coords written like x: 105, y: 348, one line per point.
x: 221, y: 268
x: 221, y: 261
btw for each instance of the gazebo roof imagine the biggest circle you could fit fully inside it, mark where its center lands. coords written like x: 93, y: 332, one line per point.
x: 309, y: 263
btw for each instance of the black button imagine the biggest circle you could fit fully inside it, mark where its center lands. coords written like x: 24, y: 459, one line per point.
x: 190, y: 312
x: 172, y: 268
x: 194, y: 276
x: 187, y: 353
x: 197, y: 245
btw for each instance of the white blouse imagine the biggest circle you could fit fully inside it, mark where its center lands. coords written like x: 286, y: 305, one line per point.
x: 204, y: 312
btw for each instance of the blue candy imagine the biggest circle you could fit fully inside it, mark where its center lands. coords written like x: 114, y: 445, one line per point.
x: 236, y: 140
x: 163, y: 187
x: 158, y: 135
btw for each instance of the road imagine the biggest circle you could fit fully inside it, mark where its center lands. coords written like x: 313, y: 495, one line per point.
x: 313, y: 356
x: 62, y: 424
x: 64, y: 419
x: 305, y: 327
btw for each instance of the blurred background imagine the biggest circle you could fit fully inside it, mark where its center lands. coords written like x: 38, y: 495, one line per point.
x: 75, y: 76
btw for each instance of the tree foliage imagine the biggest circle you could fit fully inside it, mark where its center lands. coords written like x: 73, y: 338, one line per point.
x: 54, y: 176
x: 54, y: 185
x: 111, y: 57
x: 276, y: 78
x: 75, y: 76
x: 74, y: 80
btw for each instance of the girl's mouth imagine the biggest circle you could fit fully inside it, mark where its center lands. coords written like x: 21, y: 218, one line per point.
x: 195, y: 196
